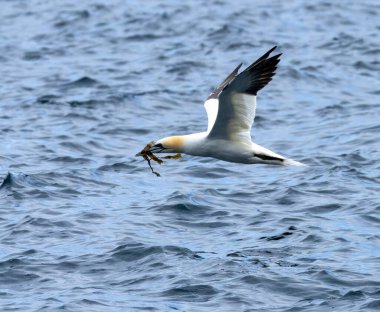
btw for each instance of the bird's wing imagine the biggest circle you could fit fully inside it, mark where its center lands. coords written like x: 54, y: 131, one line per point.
x: 235, y: 112
x: 212, y: 102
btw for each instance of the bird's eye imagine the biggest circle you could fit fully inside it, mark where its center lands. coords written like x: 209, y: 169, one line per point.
x: 159, y: 145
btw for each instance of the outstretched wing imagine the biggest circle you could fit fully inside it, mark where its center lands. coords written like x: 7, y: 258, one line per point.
x: 236, y: 107
x: 212, y: 102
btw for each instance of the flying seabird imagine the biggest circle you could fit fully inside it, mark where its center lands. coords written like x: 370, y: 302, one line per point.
x: 231, y: 110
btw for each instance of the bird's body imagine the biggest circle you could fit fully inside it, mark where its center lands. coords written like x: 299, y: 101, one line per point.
x: 198, y: 144
x: 231, y: 110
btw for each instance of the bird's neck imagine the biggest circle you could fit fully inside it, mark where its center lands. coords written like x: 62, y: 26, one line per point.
x: 192, y: 142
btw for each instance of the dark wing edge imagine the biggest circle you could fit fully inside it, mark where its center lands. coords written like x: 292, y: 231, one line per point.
x: 258, y: 74
x: 215, y: 94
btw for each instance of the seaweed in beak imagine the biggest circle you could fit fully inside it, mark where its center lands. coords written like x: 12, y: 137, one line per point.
x: 148, y: 155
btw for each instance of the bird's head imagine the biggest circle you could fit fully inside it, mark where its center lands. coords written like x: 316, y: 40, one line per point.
x: 173, y: 144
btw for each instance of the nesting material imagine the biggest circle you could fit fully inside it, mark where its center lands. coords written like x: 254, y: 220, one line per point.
x: 148, y: 156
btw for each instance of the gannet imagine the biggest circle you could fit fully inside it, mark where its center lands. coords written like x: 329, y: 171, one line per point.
x: 231, y: 110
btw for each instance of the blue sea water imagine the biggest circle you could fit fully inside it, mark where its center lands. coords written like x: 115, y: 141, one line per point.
x: 85, y: 225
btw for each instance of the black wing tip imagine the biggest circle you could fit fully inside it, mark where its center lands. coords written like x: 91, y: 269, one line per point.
x: 233, y: 74
x: 277, y: 56
x: 262, y: 58
x: 225, y: 83
x: 262, y: 71
x: 266, y: 54
x: 271, y: 50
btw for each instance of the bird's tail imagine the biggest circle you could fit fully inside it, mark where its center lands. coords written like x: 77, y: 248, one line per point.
x: 291, y: 162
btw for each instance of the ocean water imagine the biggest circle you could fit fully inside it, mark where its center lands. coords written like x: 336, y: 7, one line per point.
x: 85, y: 225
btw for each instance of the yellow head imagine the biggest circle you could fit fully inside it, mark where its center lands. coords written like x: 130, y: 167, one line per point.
x: 173, y: 144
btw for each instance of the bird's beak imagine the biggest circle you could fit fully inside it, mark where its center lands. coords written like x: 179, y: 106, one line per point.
x: 156, y: 149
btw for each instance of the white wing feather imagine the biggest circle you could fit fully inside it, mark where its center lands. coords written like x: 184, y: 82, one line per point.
x: 211, y: 106
x: 238, y: 127
x: 244, y: 108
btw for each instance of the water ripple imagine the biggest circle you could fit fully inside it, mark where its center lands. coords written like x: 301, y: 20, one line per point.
x: 85, y: 226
